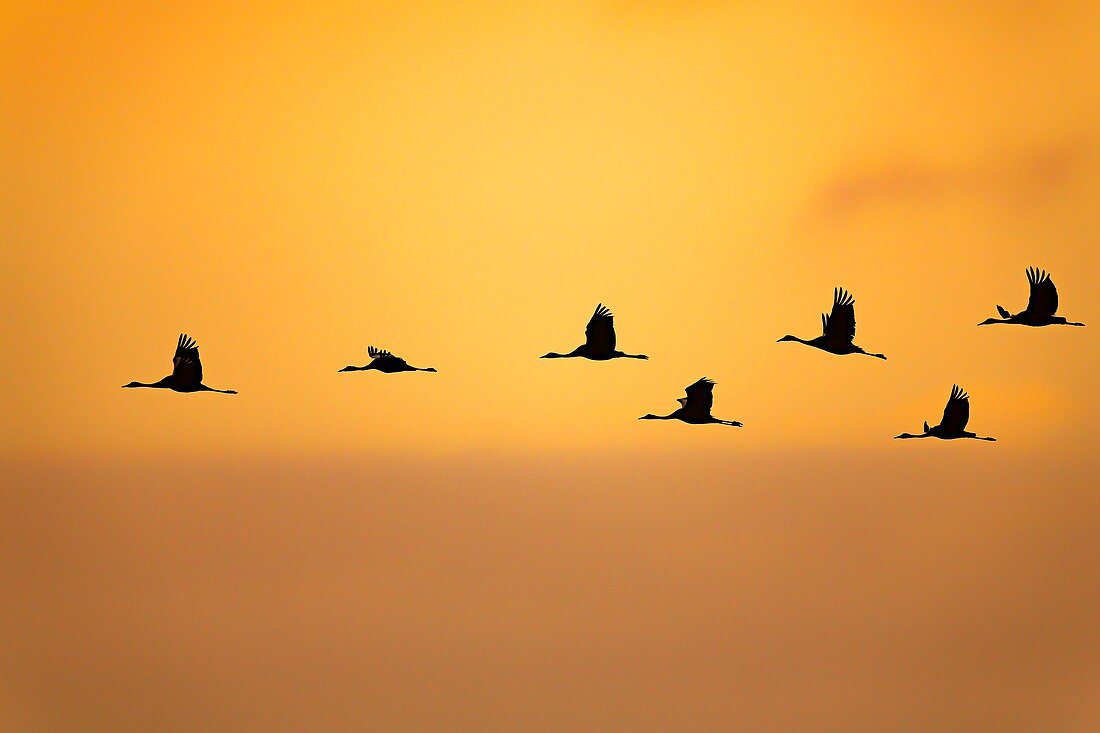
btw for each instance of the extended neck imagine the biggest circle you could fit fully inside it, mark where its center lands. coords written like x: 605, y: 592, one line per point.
x: 162, y: 384
x: 630, y: 356
x: 656, y: 417
x: 556, y: 355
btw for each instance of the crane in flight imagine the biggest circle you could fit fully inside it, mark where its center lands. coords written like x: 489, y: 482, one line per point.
x: 384, y: 361
x: 186, y: 373
x: 955, y: 417
x: 1042, y: 304
x: 695, y: 408
x: 599, y: 340
x: 838, y: 329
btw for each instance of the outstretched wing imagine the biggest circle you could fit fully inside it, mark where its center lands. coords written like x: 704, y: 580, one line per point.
x: 599, y: 334
x: 1044, y: 296
x: 186, y: 367
x: 840, y: 325
x: 700, y: 397
x: 957, y: 413
x: 381, y: 355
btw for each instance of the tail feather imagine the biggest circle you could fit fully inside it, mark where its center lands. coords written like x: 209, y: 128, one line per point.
x: 1004, y: 313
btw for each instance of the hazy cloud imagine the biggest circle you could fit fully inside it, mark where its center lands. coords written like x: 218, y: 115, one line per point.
x: 1016, y: 178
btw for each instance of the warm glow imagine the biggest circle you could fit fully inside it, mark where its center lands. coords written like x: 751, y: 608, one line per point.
x: 461, y: 183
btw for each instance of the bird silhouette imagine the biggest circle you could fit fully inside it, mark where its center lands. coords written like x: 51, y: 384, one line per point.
x: 838, y: 329
x: 1042, y: 304
x: 384, y: 361
x: 695, y: 408
x: 599, y: 340
x: 955, y: 417
x: 186, y: 373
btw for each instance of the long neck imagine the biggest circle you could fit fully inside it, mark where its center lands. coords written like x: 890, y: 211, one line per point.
x: 556, y: 355
x: 630, y: 356
x: 670, y: 416
x: 162, y: 384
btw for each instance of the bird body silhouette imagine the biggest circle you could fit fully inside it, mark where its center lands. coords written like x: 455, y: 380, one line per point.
x: 384, y: 361
x: 955, y: 417
x: 838, y: 328
x: 695, y: 408
x: 1042, y: 304
x: 186, y: 373
x: 599, y: 340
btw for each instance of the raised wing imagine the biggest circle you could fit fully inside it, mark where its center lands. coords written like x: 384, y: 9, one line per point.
x: 700, y: 397
x: 957, y: 413
x: 1044, y: 296
x: 840, y: 325
x: 386, y: 357
x: 186, y: 367
x: 599, y: 334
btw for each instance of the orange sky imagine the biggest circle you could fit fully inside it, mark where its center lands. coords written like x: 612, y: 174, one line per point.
x: 503, y: 546
x: 462, y: 186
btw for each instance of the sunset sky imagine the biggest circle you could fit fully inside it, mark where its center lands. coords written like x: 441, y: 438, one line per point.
x: 462, y: 183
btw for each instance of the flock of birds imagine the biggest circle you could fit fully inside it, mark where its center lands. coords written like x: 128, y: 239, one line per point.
x: 838, y: 332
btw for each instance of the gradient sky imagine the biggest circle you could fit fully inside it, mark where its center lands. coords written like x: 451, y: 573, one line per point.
x: 503, y: 545
x: 463, y: 185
